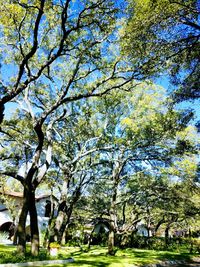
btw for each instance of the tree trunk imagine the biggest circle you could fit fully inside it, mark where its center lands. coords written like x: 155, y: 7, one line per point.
x: 148, y: 232
x: 64, y: 216
x: 63, y: 229
x: 167, y: 235
x: 15, y: 233
x: 1, y: 112
x: 113, y: 221
x: 61, y: 225
x: 63, y: 241
x: 47, y: 240
x: 34, y: 225
x: 190, y: 238
x: 111, y: 242
x: 56, y: 226
x: 65, y: 224
x: 113, y: 214
x: 158, y: 226
x: 21, y: 228
x: 48, y: 236
x: 15, y: 236
x: 90, y: 239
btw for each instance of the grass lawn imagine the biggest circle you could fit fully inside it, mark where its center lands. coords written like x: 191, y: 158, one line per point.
x: 97, y: 256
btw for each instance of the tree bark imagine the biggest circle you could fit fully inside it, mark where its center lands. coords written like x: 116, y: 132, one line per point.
x: 111, y: 242
x: 46, y: 242
x: 64, y: 227
x: 64, y: 215
x: 113, y: 219
x: 21, y: 228
x: 68, y: 213
x: 62, y: 223
x: 1, y: 112
x: 113, y: 213
x: 15, y: 236
x: 167, y: 235
x: 55, y: 225
x: 34, y: 225
x: 158, y: 226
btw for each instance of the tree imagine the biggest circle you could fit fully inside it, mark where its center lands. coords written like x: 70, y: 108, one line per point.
x: 76, y: 156
x: 40, y: 38
x: 164, y: 36
x: 143, y: 132
x: 56, y: 58
x: 27, y: 161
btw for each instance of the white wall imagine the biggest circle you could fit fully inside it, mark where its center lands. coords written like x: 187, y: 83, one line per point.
x: 40, y: 205
x: 5, y: 217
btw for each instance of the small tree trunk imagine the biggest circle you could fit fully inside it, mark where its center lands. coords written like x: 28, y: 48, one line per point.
x: 47, y: 240
x: 55, y: 234
x: 90, y: 238
x: 111, y: 236
x: 63, y: 240
x: 158, y: 225
x: 47, y: 237
x: 1, y: 112
x: 54, y: 229
x: 148, y: 232
x: 112, y: 212
x: 190, y: 238
x: 167, y: 235
x: 111, y: 242
x: 15, y: 236
x: 34, y: 225
x: 64, y: 216
x: 64, y: 226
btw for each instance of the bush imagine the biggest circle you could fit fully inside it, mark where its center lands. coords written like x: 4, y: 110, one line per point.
x: 54, y: 245
x: 158, y: 243
x: 139, y: 241
x: 195, y: 245
x: 13, y: 257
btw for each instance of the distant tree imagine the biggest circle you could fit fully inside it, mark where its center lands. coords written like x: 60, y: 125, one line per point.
x: 143, y: 132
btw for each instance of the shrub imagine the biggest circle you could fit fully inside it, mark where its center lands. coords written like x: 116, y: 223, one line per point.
x: 11, y: 257
x: 54, y: 245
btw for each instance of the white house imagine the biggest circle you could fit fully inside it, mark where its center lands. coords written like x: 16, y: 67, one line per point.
x: 10, y: 215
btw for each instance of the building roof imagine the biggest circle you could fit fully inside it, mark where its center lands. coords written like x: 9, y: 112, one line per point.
x: 20, y: 195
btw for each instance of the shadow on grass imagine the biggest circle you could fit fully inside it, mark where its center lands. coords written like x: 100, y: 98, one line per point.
x: 89, y: 263
x: 145, y: 256
x: 82, y: 263
x: 6, y: 248
x: 97, y: 256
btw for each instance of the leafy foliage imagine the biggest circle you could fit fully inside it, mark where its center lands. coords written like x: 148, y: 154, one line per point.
x: 164, y: 35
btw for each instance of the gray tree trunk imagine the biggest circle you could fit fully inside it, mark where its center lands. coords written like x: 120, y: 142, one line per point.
x: 21, y: 228
x: 34, y: 225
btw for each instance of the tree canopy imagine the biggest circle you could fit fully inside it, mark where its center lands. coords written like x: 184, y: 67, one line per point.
x: 88, y: 123
x: 163, y: 36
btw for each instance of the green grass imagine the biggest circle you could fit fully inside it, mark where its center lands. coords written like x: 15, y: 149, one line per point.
x: 97, y: 256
